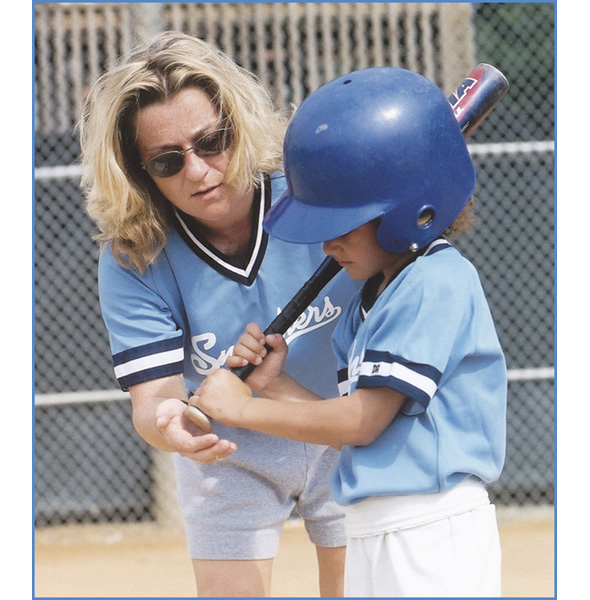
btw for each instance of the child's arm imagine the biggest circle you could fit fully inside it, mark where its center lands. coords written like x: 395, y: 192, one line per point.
x: 286, y: 408
x: 357, y: 419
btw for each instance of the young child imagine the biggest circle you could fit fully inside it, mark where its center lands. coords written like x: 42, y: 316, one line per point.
x: 378, y: 170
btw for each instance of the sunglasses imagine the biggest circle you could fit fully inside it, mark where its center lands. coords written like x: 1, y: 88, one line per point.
x: 170, y: 163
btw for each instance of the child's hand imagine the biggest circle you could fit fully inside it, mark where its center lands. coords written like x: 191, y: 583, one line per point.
x: 251, y: 348
x: 223, y: 397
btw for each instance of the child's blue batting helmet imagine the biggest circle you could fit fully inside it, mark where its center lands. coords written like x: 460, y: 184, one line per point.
x: 376, y: 143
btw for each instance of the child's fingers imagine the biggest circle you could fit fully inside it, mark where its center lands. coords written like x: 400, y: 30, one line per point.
x: 253, y: 340
x: 276, y: 341
x: 256, y: 332
x: 249, y: 349
x: 248, y: 343
x: 236, y: 361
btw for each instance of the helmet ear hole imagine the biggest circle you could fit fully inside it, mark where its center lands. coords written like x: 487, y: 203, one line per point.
x: 425, y: 216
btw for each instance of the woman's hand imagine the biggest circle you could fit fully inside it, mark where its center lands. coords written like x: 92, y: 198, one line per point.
x: 185, y: 438
x: 160, y: 419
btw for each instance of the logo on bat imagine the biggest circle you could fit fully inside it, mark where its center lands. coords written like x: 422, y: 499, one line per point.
x: 457, y: 96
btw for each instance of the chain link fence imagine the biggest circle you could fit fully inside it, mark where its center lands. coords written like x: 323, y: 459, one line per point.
x: 90, y: 464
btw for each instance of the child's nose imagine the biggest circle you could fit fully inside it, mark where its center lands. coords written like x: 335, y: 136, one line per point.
x: 329, y: 246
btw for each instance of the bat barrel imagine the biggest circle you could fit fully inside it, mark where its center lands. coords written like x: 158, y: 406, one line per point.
x: 477, y: 95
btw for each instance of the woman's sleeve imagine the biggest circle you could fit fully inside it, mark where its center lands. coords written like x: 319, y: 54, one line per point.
x: 146, y: 342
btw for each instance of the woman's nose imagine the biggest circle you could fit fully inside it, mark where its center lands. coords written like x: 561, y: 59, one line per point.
x: 196, y: 167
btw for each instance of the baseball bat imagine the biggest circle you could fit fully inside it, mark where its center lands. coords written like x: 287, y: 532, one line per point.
x: 472, y: 101
x: 476, y: 96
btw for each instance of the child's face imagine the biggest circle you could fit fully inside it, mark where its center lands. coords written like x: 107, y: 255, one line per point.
x: 360, y: 254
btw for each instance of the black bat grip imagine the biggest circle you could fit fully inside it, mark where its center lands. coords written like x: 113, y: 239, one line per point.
x: 302, y: 299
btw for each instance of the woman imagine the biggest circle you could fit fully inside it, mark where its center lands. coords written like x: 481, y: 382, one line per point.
x: 183, y: 153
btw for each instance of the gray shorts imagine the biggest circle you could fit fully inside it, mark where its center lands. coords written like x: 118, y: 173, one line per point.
x: 235, y: 509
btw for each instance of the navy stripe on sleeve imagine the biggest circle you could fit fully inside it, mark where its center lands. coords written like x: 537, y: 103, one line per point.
x: 151, y: 361
x: 416, y: 381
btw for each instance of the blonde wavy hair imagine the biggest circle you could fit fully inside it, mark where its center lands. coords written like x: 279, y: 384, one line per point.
x: 121, y: 198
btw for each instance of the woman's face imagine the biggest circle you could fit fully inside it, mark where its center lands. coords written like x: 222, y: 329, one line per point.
x: 199, y: 188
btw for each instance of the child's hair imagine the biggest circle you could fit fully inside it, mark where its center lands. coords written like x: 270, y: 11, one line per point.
x: 121, y: 198
x: 465, y: 221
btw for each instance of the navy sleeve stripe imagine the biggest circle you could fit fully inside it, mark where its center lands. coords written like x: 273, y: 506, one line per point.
x: 342, y: 375
x: 379, y: 357
x: 151, y: 361
x: 148, y: 375
x: 414, y: 393
x: 147, y: 350
x: 417, y: 382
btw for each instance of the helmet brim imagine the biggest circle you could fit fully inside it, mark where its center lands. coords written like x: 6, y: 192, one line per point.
x: 292, y: 220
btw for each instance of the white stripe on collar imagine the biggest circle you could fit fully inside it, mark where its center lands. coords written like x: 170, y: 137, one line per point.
x: 434, y: 245
x: 215, y: 257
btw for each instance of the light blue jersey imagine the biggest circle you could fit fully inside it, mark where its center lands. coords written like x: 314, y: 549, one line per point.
x: 188, y: 310
x: 429, y: 335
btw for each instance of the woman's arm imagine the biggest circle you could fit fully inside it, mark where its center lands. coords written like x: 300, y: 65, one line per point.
x: 158, y: 417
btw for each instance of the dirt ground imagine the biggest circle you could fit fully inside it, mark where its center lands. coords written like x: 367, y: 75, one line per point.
x: 142, y: 561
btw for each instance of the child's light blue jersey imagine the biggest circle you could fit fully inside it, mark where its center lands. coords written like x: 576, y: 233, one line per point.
x: 429, y: 335
x: 188, y: 310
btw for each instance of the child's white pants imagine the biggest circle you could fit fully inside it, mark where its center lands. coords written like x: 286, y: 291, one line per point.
x: 457, y: 554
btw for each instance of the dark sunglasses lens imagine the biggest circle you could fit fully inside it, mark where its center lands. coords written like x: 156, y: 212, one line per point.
x: 165, y: 165
x: 213, y: 143
x: 171, y: 163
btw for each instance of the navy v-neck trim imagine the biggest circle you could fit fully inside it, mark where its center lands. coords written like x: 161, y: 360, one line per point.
x: 242, y: 272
